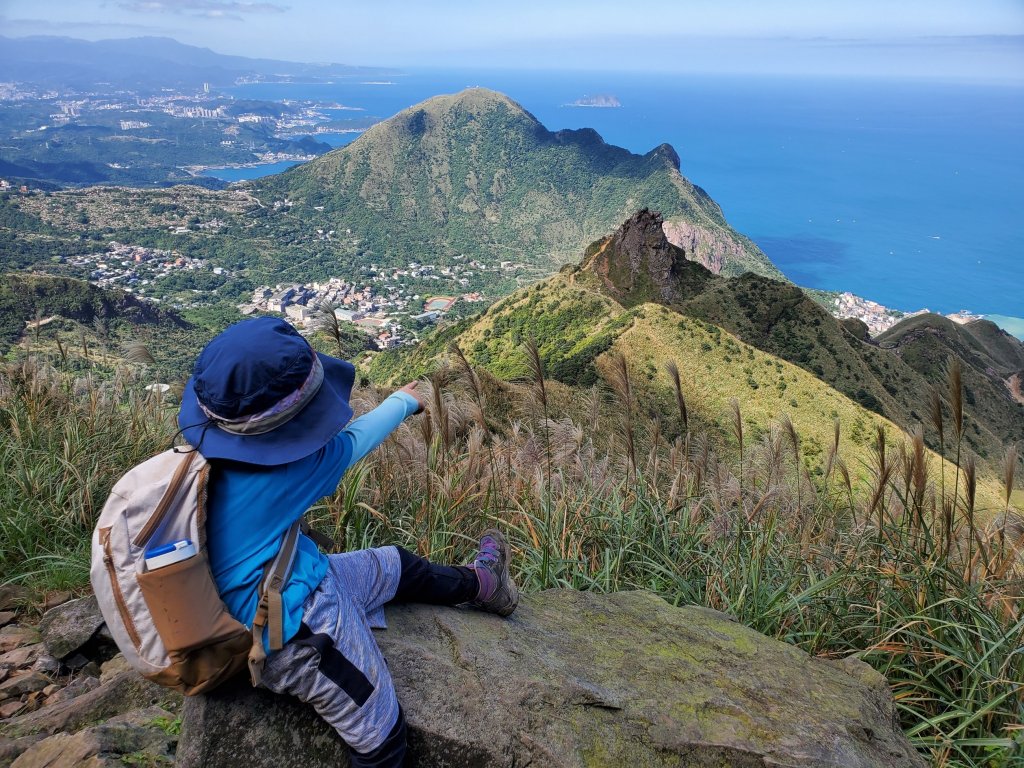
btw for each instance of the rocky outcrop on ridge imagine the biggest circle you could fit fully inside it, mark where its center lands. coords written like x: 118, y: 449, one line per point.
x: 638, y: 264
x: 891, y: 375
x: 580, y: 679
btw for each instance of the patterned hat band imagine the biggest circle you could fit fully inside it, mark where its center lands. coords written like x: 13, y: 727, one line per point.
x: 277, y: 414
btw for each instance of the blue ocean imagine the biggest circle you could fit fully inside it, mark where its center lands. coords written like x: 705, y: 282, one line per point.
x: 907, y: 193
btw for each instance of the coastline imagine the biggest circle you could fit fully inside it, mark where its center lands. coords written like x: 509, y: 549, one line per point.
x: 1012, y: 325
x: 262, y: 168
x: 274, y: 166
x: 771, y: 189
x: 880, y: 318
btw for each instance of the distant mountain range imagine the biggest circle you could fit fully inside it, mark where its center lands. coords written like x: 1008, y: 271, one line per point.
x: 474, y: 174
x: 145, y: 63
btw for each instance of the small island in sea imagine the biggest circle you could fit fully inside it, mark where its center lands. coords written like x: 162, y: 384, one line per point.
x: 601, y: 100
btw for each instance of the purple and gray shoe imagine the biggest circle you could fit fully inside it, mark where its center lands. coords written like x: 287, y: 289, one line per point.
x: 498, y: 593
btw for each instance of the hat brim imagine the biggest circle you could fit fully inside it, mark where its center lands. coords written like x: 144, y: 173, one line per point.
x: 309, y: 431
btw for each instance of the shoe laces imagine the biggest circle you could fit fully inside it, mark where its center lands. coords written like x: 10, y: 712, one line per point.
x: 489, y: 552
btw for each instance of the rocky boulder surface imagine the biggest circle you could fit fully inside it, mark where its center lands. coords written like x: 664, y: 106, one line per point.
x: 703, y: 245
x: 67, y: 627
x: 68, y: 700
x: 580, y: 679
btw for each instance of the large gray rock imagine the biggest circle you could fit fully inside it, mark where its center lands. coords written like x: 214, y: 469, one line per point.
x: 69, y: 626
x: 580, y: 679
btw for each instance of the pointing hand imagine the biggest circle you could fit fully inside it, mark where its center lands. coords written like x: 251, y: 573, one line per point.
x: 410, y: 389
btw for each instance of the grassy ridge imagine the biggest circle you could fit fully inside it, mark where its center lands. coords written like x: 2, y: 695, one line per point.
x: 575, y: 315
x: 990, y: 356
x: 894, y: 377
x: 717, y: 369
x: 91, y: 331
x: 576, y: 328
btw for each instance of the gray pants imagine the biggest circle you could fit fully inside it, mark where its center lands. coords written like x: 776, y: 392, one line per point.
x: 334, y: 663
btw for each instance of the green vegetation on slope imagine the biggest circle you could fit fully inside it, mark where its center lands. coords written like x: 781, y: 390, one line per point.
x: 638, y: 264
x: 80, y: 328
x: 780, y: 319
x: 579, y: 331
x: 477, y: 175
x: 456, y: 178
x: 993, y: 365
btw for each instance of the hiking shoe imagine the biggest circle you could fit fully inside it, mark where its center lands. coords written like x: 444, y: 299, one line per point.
x: 498, y: 593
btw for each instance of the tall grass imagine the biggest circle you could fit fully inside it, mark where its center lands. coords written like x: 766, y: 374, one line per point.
x: 878, y: 563
x: 886, y: 567
x: 64, y: 442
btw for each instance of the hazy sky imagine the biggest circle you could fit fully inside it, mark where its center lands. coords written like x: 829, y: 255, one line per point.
x: 945, y: 38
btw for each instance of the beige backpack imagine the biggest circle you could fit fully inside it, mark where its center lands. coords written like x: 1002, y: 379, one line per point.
x: 168, y: 619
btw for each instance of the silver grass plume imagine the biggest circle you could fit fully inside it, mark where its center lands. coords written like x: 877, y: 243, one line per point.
x: 677, y: 386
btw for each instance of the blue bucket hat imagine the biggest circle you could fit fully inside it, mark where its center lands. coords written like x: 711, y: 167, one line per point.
x: 260, y: 394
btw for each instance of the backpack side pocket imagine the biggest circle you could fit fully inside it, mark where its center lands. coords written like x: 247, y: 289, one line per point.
x: 187, y: 610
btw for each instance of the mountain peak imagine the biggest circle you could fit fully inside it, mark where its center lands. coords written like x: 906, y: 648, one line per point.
x: 637, y: 263
x: 668, y: 152
x: 469, y: 113
x: 473, y: 100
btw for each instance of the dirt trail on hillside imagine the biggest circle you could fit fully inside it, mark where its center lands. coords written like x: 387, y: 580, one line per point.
x: 1016, y: 387
x: 594, y: 260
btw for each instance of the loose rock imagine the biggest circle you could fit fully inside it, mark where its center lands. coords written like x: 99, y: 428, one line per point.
x: 46, y: 664
x: 69, y: 626
x: 56, y: 598
x: 22, y: 684
x: 6, y: 617
x: 76, y: 687
x: 22, y: 657
x: 11, y: 595
x: 11, y: 748
x: 103, y: 745
x: 11, y: 708
x: 113, y: 667
x: 15, y: 636
x: 125, y: 691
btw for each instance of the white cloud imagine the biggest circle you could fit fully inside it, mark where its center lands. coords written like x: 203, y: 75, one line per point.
x: 54, y: 25
x: 211, y: 9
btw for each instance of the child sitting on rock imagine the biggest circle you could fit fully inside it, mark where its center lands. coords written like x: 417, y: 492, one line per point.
x: 273, y: 416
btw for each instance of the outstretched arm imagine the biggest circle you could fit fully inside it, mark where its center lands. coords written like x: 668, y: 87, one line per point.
x: 371, y: 429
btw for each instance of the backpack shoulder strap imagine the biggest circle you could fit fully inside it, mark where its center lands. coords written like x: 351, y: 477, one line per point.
x: 325, y: 543
x: 270, y: 610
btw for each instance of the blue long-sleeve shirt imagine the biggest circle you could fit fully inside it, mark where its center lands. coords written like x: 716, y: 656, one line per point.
x: 249, y: 508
